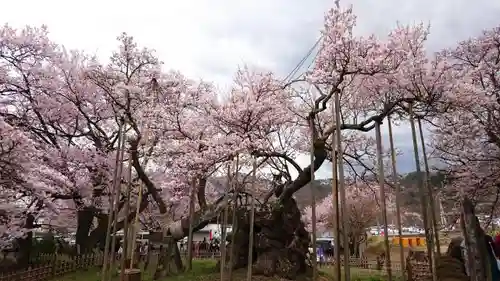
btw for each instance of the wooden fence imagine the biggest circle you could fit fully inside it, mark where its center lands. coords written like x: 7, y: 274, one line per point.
x: 364, y: 263
x: 415, y: 270
x: 51, y: 266
x: 418, y: 270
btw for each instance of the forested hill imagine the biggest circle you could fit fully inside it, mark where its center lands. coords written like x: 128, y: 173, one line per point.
x: 323, y: 188
x: 409, y: 188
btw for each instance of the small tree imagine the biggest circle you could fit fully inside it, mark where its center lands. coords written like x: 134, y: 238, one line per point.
x: 361, y: 213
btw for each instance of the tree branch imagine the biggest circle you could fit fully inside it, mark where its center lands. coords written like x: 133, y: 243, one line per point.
x: 144, y: 178
x: 304, y: 177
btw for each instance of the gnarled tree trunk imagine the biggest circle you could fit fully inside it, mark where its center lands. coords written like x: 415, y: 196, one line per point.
x: 281, y: 241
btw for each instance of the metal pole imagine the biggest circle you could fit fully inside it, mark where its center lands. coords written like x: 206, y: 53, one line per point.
x: 381, y: 183
x: 395, y: 180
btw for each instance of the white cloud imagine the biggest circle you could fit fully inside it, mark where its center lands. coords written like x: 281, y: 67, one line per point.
x: 210, y: 38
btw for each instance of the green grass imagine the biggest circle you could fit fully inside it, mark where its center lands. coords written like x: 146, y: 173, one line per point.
x: 361, y: 274
x: 201, y: 270
x: 204, y: 270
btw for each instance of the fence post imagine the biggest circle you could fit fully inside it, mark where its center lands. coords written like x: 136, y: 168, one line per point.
x: 53, y: 265
x: 409, y: 271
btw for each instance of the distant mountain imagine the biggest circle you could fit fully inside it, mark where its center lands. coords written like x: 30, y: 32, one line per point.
x: 323, y: 188
x: 410, y: 191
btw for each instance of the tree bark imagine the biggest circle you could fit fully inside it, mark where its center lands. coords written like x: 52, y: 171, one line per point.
x: 281, y: 241
x: 25, y: 244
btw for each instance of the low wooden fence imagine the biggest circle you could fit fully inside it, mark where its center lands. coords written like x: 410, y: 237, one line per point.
x: 415, y: 270
x: 51, y: 266
x: 418, y: 271
x: 416, y: 267
x: 364, y: 263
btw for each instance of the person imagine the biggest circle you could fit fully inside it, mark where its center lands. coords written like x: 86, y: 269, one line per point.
x: 120, y: 251
x: 196, y: 248
x: 203, y: 247
x: 496, y: 242
x: 144, y: 251
x: 493, y: 253
x: 320, y: 255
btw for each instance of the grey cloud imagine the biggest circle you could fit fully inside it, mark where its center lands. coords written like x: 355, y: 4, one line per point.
x: 284, y: 30
x: 403, y: 143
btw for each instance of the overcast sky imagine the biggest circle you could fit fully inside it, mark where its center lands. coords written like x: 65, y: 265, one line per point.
x: 209, y: 38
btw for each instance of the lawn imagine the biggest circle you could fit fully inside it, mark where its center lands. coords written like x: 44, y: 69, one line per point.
x: 361, y: 274
x: 204, y: 270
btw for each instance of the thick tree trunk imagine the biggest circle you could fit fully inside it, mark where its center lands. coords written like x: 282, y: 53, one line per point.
x: 26, y: 244
x: 84, y: 224
x: 86, y: 239
x: 281, y: 241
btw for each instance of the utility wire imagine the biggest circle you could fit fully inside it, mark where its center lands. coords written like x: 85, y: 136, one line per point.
x: 294, y: 71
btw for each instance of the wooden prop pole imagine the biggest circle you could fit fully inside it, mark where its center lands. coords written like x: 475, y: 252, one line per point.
x: 423, y: 196
x: 381, y: 183
x: 106, y: 257
x: 190, y: 232
x: 335, y: 197
x: 430, y: 192
x: 234, y: 219
x: 136, y: 226
x: 123, y: 258
x: 252, y: 220
x: 115, y: 209
x: 342, y: 193
x: 395, y: 180
x: 313, y: 203
x: 224, y: 229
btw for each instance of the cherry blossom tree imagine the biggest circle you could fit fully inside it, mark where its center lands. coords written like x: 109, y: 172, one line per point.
x: 20, y: 187
x: 180, y: 132
x: 363, y: 209
x: 465, y: 136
